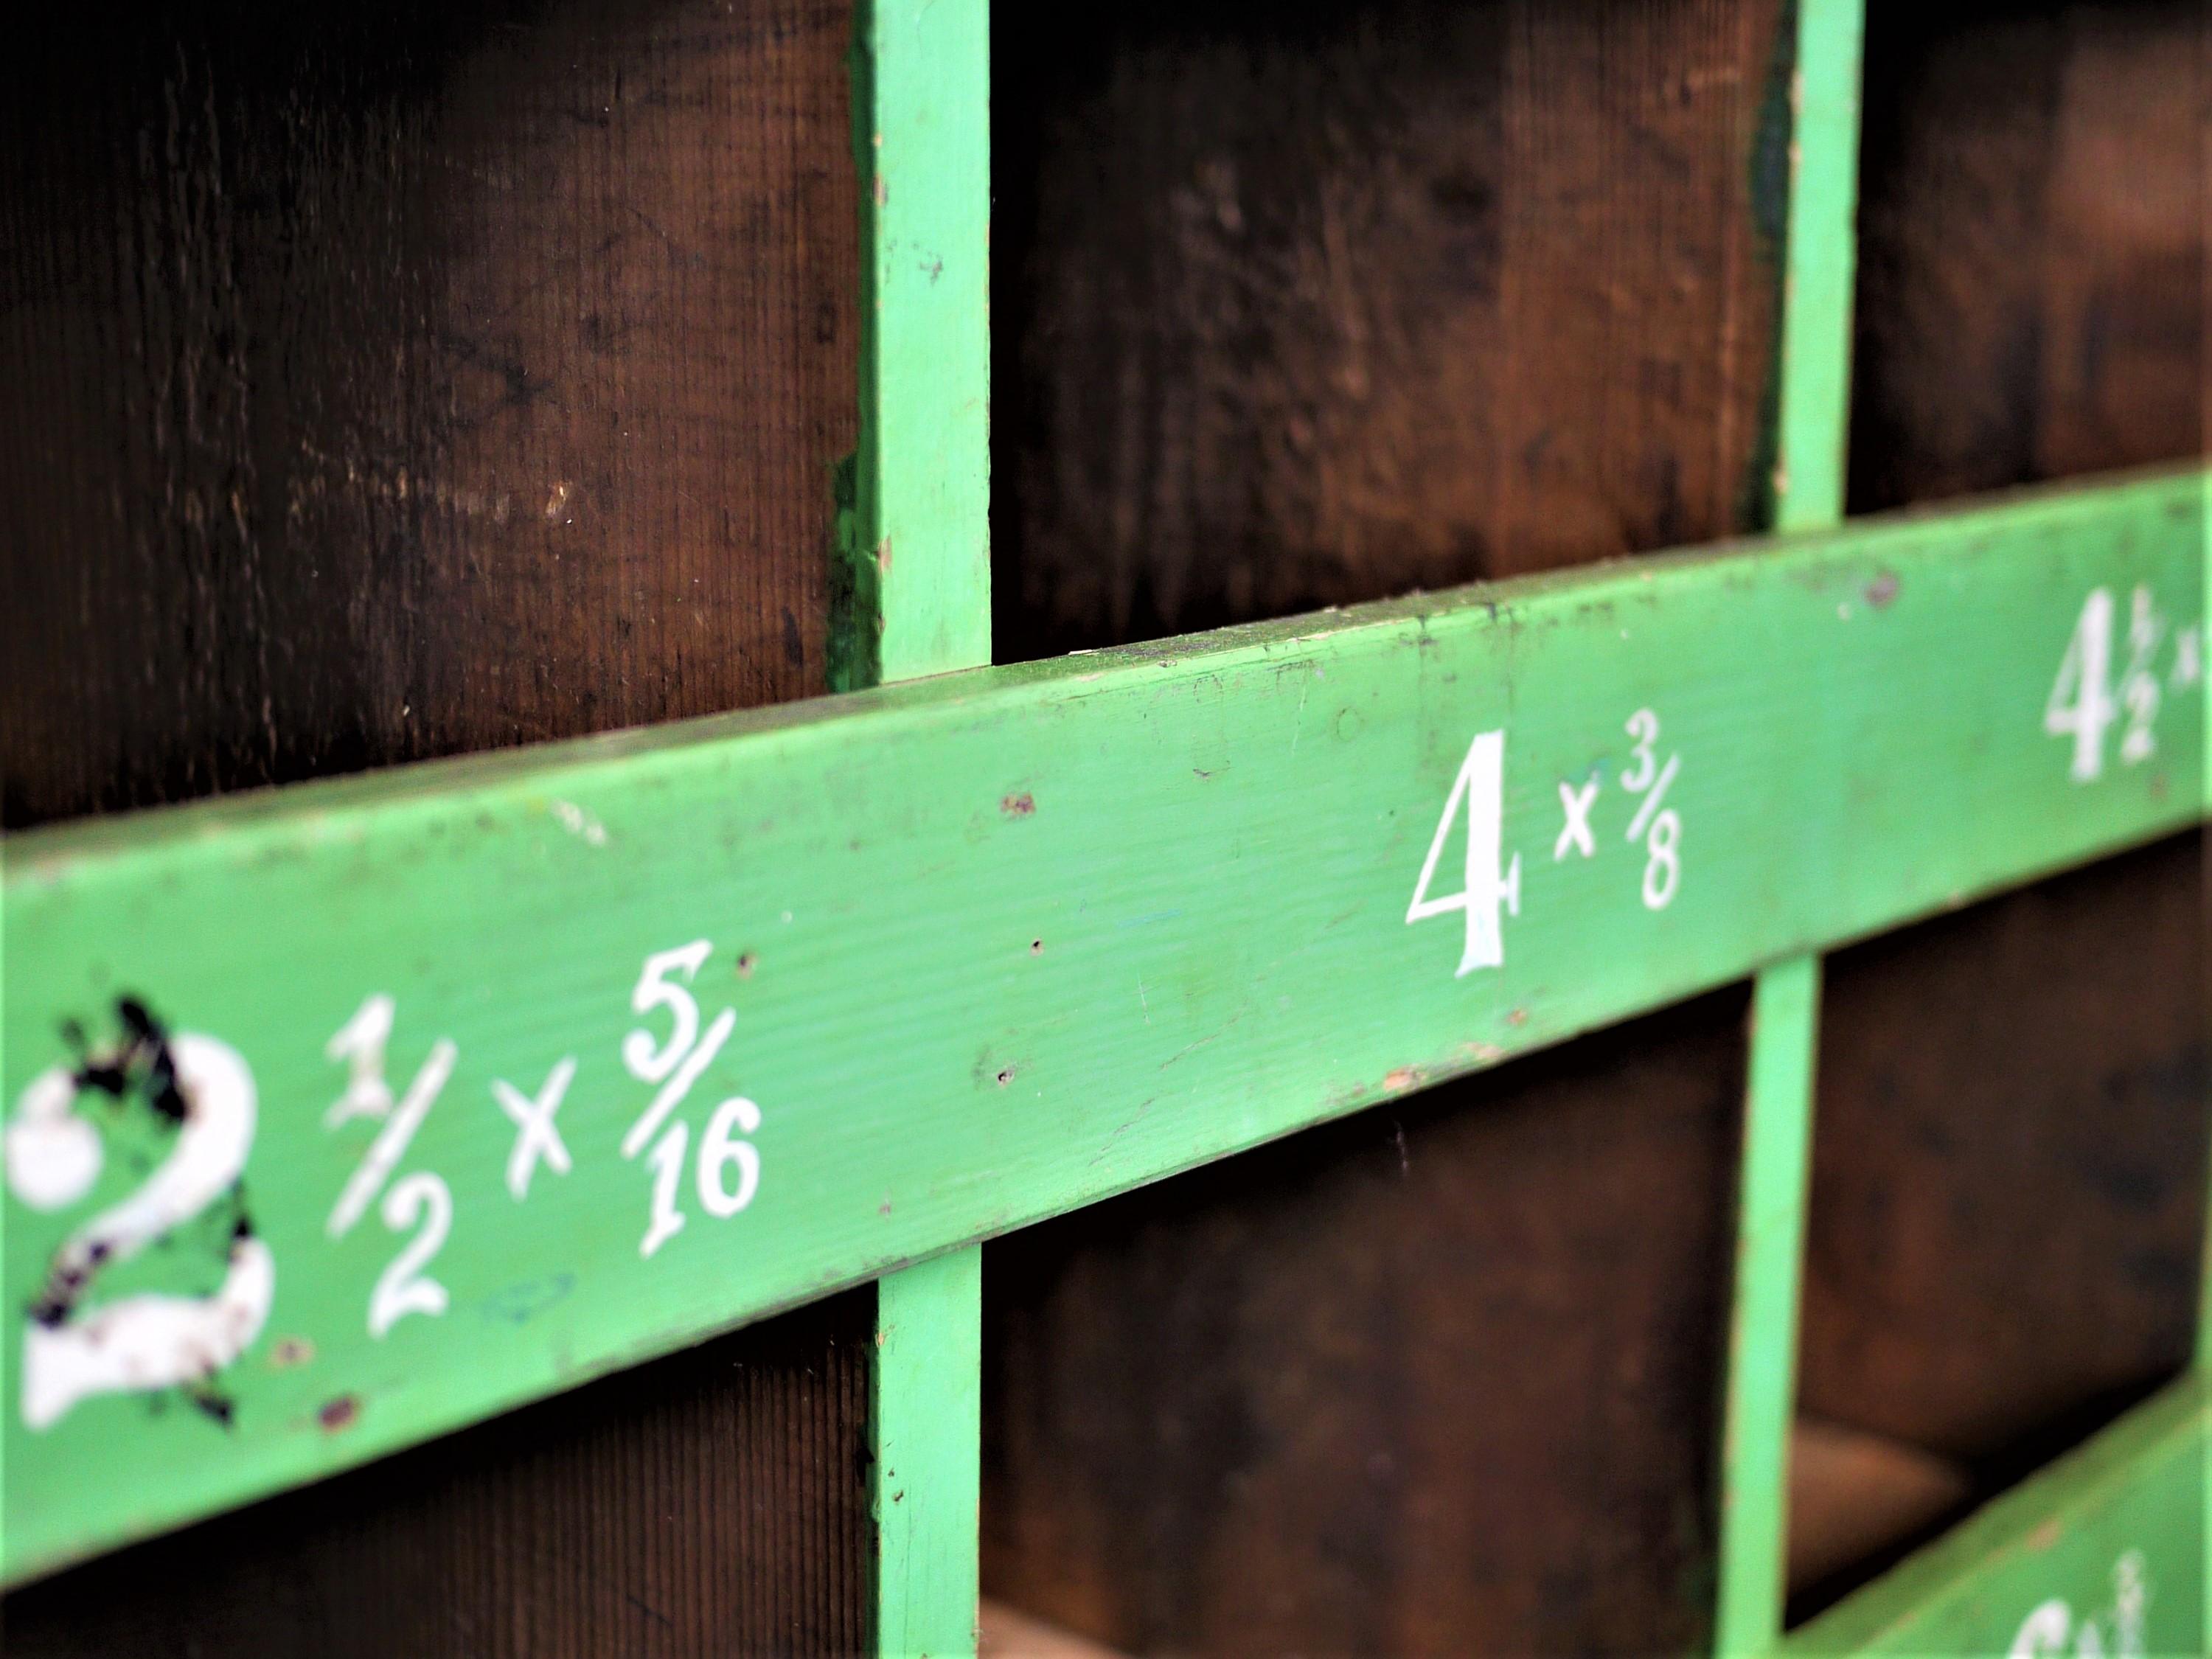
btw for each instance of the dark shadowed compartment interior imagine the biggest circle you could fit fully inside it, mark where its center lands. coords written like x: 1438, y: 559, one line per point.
x: 1303, y: 305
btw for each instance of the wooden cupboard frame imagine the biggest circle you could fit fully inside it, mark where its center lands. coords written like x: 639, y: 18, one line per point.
x: 1005, y: 941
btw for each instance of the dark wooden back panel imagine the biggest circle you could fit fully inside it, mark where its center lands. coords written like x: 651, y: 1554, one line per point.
x: 712, y: 1502
x: 2010, y: 1198
x: 390, y: 381
x: 2033, y: 216
x: 1440, y: 1379
x: 1301, y: 305
x: 386, y: 380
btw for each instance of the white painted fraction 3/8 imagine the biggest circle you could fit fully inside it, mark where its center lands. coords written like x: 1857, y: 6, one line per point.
x: 1658, y: 826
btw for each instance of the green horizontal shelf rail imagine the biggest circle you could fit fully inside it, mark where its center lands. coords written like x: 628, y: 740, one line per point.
x: 919, y: 965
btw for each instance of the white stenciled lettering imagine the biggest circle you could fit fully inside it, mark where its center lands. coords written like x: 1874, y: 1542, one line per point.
x: 1657, y: 826
x: 676, y: 1067
x: 2080, y: 705
x: 2118, y: 1632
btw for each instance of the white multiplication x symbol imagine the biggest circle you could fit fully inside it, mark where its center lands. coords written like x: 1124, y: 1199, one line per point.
x: 535, y: 1137
x: 403, y: 1288
x: 674, y: 1067
x: 1575, y: 804
x: 1662, y: 873
x: 1483, y: 887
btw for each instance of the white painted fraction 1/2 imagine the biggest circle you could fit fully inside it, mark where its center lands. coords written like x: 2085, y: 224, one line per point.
x: 421, y: 1198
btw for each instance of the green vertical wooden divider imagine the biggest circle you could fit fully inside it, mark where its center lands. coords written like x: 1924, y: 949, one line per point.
x: 915, y: 600
x: 925, y: 1408
x: 1808, y: 489
x: 915, y: 596
x: 1763, y: 1341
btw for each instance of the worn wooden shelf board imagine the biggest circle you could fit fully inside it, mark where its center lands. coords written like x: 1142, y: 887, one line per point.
x: 992, y: 946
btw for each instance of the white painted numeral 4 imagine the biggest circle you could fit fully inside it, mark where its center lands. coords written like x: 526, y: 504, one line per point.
x: 1485, y: 888
x: 2081, y: 701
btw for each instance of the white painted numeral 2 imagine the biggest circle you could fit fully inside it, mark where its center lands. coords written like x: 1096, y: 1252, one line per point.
x: 74, y: 1349
x: 1483, y: 887
x: 403, y: 1288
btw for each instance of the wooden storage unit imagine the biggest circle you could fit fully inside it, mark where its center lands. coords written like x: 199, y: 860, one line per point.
x: 1085, y: 1115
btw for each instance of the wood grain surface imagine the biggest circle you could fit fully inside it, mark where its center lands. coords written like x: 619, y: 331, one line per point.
x: 389, y: 381
x: 711, y: 1503
x: 1359, y: 298
x: 2033, y: 206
